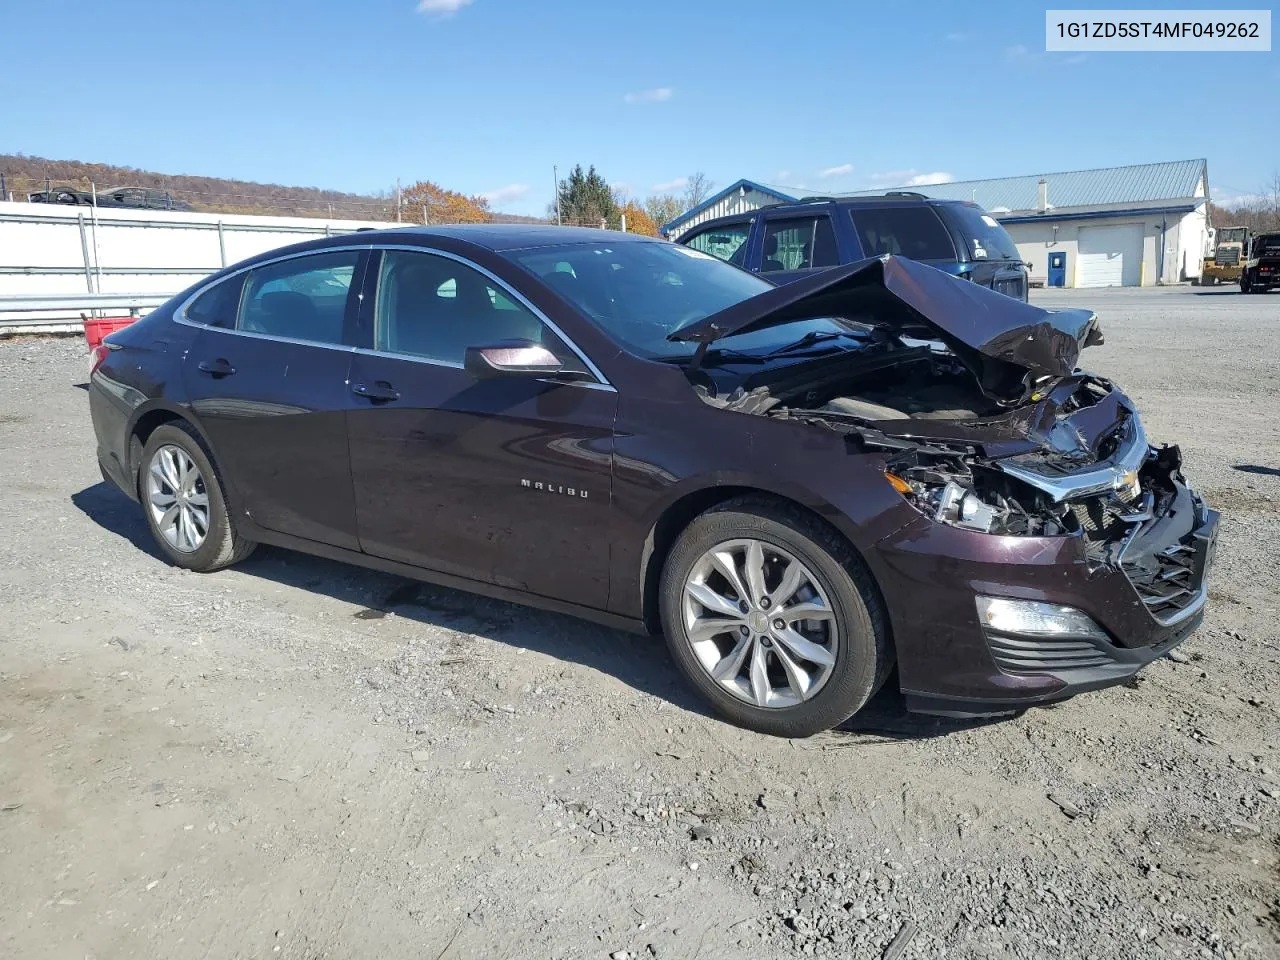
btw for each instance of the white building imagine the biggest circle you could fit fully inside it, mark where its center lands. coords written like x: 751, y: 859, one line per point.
x: 1117, y: 226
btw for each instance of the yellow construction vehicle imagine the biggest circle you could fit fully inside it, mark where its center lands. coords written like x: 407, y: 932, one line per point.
x: 1225, y: 262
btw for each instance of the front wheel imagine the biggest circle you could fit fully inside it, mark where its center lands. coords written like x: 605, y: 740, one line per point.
x: 185, y: 504
x: 774, y: 618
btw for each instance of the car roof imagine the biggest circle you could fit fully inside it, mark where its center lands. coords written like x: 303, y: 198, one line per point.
x: 508, y: 236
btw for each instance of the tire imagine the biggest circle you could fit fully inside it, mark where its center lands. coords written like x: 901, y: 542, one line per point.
x: 863, y: 654
x: 220, y: 546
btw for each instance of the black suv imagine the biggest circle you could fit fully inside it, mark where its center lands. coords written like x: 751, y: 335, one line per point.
x: 786, y: 241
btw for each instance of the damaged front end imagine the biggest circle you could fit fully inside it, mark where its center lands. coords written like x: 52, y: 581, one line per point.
x: 981, y: 420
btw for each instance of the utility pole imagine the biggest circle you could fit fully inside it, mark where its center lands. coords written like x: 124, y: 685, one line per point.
x: 397, y: 199
x: 97, y: 258
x: 555, y: 176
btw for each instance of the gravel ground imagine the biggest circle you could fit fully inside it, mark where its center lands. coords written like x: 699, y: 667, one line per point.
x: 297, y: 758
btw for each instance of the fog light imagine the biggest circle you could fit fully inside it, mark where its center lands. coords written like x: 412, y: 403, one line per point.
x: 1030, y: 618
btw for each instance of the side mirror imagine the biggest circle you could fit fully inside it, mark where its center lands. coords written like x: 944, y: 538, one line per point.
x: 511, y: 358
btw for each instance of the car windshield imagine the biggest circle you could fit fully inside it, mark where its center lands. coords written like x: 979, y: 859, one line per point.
x: 987, y: 240
x: 639, y: 292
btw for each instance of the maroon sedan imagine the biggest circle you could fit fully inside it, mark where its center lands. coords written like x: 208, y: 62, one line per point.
x: 801, y: 486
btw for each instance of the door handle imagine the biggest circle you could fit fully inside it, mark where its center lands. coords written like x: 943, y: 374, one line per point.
x: 216, y: 368
x: 379, y: 392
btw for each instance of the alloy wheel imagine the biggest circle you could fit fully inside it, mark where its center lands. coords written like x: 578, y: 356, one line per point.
x: 760, y: 623
x: 178, y: 498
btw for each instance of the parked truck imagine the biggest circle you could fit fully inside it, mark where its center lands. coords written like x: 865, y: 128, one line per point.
x: 1262, y: 268
x: 1225, y: 261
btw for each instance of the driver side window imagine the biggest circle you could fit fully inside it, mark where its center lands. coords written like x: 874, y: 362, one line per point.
x: 434, y: 307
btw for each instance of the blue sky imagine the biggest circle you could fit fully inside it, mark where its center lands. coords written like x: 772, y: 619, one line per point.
x: 484, y: 96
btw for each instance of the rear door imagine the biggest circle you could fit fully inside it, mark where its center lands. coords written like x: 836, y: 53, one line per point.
x: 267, y: 379
x: 504, y: 481
x: 796, y: 246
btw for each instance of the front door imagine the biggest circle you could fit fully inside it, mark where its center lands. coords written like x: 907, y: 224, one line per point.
x: 505, y: 481
x: 267, y: 380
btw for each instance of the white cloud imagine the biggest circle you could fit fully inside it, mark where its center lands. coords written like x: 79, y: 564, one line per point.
x: 1232, y: 200
x: 958, y: 37
x: 441, y: 8
x: 656, y: 95
x: 907, y: 178
x: 782, y: 176
x: 512, y: 191
x: 924, y: 179
x: 679, y: 183
x: 1017, y: 52
x: 843, y: 170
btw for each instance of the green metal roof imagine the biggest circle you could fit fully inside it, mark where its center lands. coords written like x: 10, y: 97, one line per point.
x: 1141, y: 184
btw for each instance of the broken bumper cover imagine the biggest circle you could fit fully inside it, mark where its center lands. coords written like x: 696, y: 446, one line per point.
x: 951, y: 663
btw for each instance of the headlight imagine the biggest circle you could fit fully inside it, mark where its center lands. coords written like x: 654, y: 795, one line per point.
x: 1030, y: 618
x: 988, y: 504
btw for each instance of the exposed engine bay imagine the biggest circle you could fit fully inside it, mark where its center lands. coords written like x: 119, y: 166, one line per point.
x: 1073, y: 459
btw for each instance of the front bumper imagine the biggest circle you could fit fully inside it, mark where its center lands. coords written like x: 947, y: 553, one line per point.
x: 1148, y: 600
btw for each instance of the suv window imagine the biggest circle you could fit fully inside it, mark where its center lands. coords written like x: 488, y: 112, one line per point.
x: 798, y: 243
x: 726, y: 242
x: 304, y: 298
x: 987, y: 240
x: 905, y: 231
x: 434, y: 307
x: 217, y: 306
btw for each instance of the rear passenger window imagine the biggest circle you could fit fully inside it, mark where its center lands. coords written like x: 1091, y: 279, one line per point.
x: 217, y: 306
x: 799, y: 243
x: 904, y: 231
x: 727, y: 243
x: 303, y: 299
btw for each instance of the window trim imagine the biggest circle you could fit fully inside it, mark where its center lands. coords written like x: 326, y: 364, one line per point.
x: 180, y: 314
x: 602, y: 382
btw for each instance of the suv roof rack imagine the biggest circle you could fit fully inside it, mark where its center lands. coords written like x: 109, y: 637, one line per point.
x: 906, y: 193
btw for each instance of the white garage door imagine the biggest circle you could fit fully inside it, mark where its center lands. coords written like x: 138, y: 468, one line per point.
x: 1109, y: 256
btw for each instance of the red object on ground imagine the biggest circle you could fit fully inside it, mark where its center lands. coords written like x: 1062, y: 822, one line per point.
x: 97, y: 328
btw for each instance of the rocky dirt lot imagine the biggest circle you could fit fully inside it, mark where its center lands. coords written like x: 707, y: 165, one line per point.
x: 300, y: 759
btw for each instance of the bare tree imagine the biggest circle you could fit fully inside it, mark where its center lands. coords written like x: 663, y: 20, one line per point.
x: 697, y: 190
x: 1259, y: 212
x: 662, y: 208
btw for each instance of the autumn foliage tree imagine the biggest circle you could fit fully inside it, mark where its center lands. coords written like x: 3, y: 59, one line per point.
x: 429, y: 203
x: 638, y: 221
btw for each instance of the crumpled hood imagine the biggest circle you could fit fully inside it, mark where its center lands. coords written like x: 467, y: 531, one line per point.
x: 1007, y: 344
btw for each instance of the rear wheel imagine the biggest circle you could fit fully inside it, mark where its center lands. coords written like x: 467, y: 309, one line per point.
x: 773, y: 618
x: 185, y: 504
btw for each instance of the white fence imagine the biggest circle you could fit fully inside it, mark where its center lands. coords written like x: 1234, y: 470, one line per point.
x: 51, y: 249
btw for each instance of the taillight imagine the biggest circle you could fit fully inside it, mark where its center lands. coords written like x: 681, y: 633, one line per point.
x: 96, y: 356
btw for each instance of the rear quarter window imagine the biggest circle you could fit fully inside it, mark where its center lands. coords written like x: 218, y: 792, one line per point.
x: 904, y: 231
x: 986, y: 239
x: 217, y: 306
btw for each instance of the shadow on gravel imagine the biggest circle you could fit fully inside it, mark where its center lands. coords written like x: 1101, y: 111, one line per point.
x: 642, y: 662
x: 1254, y: 468
x: 885, y: 720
